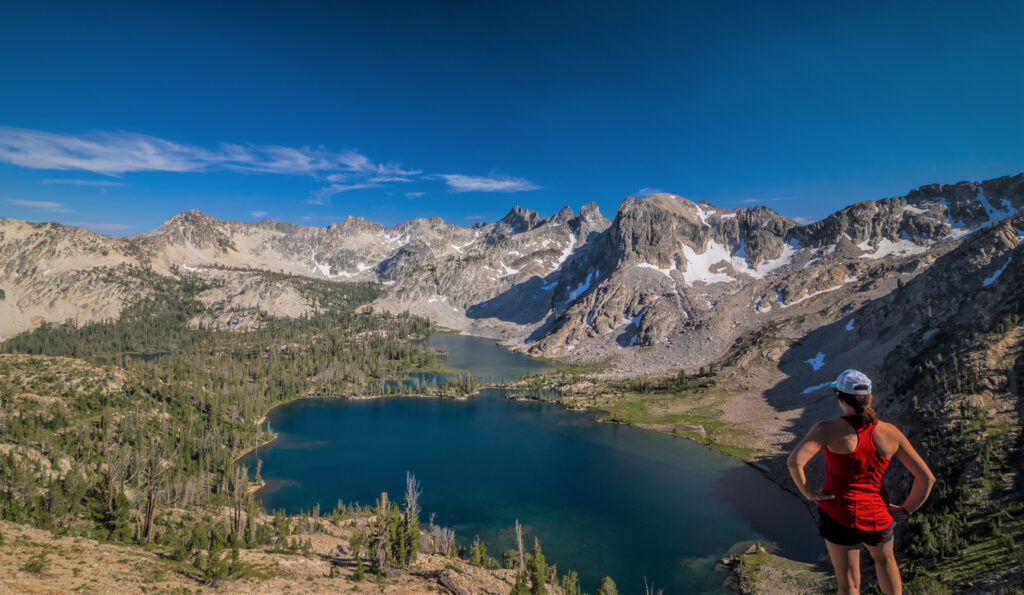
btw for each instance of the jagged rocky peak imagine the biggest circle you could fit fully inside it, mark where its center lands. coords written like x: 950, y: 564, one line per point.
x: 757, y: 233
x: 424, y: 227
x: 591, y: 213
x: 961, y: 200
x: 1007, y: 189
x: 193, y: 218
x: 518, y: 220
x: 353, y: 224
x: 191, y: 227
x: 564, y: 215
x: 674, y: 203
x: 590, y: 220
x: 864, y: 221
x: 971, y: 205
x: 650, y: 229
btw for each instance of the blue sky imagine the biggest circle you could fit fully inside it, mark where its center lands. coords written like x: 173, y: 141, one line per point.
x: 118, y: 116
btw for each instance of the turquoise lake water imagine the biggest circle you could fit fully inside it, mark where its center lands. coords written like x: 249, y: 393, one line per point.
x: 604, y: 499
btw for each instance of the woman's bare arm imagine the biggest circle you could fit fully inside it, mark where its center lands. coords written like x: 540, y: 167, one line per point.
x: 923, y: 478
x: 810, y: 446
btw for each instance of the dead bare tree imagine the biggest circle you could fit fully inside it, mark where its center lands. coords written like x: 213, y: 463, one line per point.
x: 441, y: 539
x: 650, y: 590
x: 241, y: 488
x: 117, y: 460
x: 519, y: 547
x: 152, y: 472
x: 380, y: 533
x: 412, y: 497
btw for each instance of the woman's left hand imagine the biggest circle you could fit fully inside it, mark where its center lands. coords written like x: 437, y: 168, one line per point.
x: 897, y: 511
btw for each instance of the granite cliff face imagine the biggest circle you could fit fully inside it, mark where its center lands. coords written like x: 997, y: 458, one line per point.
x: 667, y: 283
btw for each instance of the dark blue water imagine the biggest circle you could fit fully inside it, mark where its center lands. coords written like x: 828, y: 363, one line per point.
x: 486, y: 359
x: 603, y: 499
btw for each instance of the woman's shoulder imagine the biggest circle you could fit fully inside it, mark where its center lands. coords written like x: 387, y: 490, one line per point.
x: 833, y: 426
x: 889, y: 432
x: 888, y: 428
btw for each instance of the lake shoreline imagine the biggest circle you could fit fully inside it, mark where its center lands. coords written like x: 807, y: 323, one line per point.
x: 274, y: 436
x: 508, y: 389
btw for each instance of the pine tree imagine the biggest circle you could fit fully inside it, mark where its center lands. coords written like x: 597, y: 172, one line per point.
x: 411, y: 517
x: 520, y: 587
x: 477, y: 552
x: 251, y: 519
x: 112, y: 519
x: 235, y: 568
x: 538, y: 569
x: 215, y: 567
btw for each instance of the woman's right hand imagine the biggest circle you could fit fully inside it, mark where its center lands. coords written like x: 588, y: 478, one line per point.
x: 818, y: 495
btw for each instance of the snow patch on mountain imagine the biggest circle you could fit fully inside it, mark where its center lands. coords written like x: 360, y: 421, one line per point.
x: 817, y: 362
x: 582, y: 287
x: 667, y: 272
x: 810, y: 295
x: 990, y: 280
x: 902, y: 247
x: 325, y: 270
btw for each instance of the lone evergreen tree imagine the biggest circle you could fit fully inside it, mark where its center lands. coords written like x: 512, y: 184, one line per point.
x: 110, y: 511
x: 538, y: 569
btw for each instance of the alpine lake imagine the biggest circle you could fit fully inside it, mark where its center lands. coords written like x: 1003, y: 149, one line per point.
x: 604, y: 499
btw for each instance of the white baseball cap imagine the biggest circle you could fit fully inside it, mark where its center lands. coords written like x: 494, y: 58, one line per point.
x: 853, y: 382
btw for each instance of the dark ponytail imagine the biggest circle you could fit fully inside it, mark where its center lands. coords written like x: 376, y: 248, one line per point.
x: 863, y: 414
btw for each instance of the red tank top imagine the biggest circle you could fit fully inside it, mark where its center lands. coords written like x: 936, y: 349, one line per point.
x: 855, y: 479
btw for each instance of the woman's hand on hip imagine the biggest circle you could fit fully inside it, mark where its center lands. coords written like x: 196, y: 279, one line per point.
x: 897, y: 511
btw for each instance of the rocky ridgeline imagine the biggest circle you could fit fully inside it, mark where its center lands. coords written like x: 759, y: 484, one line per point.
x: 678, y: 278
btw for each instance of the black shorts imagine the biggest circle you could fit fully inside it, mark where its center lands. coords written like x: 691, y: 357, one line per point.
x: 840, y: 534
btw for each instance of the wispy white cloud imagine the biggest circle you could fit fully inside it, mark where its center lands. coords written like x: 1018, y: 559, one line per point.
x: 758, y: 201
x: 414, y: 195
x: 108, y: 228
x: 383, y: 179
x: 645, y: 192
x: 101, y: 183
x: 118, y: 153
x: 323, y: 196
x: 258, y: 214
x: 392, y: 169
x: 804, y: 220
x: 56, y: 207
x: 462, y: 183
x: 101, y: 152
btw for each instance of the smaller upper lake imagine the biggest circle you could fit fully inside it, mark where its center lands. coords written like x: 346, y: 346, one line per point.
x: 485, y: 358
x: 603, y: 499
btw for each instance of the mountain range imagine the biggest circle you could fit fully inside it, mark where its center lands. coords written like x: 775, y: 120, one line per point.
x: 667, y: 283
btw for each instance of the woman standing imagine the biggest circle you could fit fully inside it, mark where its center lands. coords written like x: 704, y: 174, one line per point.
x: 854, y: 507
